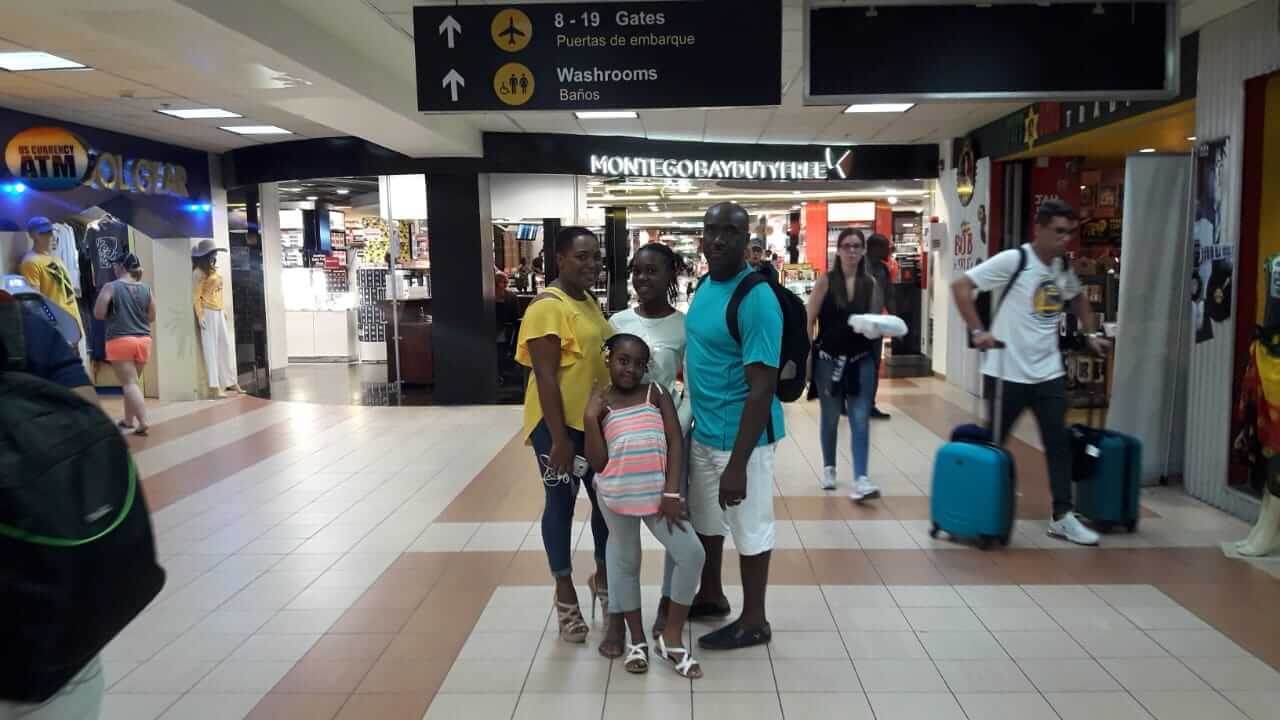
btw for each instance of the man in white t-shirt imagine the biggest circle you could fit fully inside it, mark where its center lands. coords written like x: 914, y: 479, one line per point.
x: 1031, y: 287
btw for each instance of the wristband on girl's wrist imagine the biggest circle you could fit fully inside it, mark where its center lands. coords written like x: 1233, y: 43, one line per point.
x: 672, y: 495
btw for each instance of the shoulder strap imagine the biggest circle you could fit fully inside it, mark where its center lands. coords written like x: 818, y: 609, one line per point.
x: 735, y: 302
x: 13, y: 340
x: 1022, y: 265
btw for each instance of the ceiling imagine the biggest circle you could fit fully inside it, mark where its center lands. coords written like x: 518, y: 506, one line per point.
x: 322, y: 68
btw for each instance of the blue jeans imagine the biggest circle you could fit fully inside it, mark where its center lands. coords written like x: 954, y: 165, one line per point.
x: 557, y: 510
x: 858, y: 408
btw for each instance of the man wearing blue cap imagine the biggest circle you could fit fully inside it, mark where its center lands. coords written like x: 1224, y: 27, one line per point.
x: 46, y: 273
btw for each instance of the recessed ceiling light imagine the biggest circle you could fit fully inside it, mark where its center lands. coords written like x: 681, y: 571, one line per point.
x: 313, y: 197
x: 893, y: 199
x: 606, y: 115
x: 343, y: 191
x: 1191, y: 138
x: 1147, y: 150
x: 879, y: 107
x: 255, y: 130
x: 32, y: 60
x: 198, y: 113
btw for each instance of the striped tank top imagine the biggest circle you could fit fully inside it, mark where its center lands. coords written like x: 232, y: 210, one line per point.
x: 633, y: 481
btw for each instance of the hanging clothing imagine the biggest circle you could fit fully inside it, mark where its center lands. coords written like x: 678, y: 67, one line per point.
x: 64, y: 248
x: 216, y: 344
x: 1258, y: 415
x: 105, y: 240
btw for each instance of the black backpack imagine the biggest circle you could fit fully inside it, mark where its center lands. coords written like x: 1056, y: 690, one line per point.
x: 793, y: 363
x: 77, y: 556
x: 983, y: 302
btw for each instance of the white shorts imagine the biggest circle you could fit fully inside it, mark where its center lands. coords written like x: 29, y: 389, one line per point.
x: 751, y: 521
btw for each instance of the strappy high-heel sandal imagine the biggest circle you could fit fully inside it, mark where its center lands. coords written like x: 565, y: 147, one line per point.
x: 637, y: 662
x: 598, y: 595
x: 681, y: 660
x: 573, y: 628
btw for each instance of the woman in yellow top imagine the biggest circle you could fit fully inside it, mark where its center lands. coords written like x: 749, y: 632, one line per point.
x: 562, y: 339
x: 206, y: 300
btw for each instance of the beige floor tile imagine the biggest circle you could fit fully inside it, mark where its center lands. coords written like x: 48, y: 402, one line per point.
x: 1152, y: 674
x: 859, y: 596
x: 1064, y: 596
x: 948, y: 645
x: 1163, y: 618
x: 1197, y: 643
x: 661, y: 678
x: 244, y: 676
x: 164, y: 677
x: 870, y: 619
x: 1132, y: 596
x: 1257, y: 704
x: 1097, y: 706
x: 736, y: 705
x: 899, y: 676
x: 884, y: 645
x: 234, y: 621
x: 212, y: 706
x: 984, y: 676
x: 1119, y: 643
x: 1089, y: 619
x: 676, y: 706
x: 1188, y: 705
x: 1040, y: 645
x: 550, y: 706
x: 926, y: 596
x: 136, y: 706
x: 807, y: 645
x: 500, y: 646
x: 844, y: 705
x: 1237, y: 673
x: 801, y: 619
x: 1060, y: 675
x: 931, y: 619
x: 494, y: 706
x: 265, y: 646
x: 733, y: 676
x: 550, y: 676
x: 137, y: 647
x: 517, y: 619
x: 995, y: 596
x: 815, y: 676
x: 301, y: 622
x: 1018, y: 619
x: 1006, y: 706
x: 915, y: 706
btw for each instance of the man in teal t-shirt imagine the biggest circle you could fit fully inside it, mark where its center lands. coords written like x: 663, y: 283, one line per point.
x: 737, y: 422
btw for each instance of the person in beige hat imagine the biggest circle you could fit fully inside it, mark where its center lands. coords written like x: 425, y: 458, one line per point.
x: 206, y: 299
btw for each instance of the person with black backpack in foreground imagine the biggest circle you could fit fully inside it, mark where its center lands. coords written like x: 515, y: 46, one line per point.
x: 1034, y: 284
x: 737, y: 423
x: 38, y: 337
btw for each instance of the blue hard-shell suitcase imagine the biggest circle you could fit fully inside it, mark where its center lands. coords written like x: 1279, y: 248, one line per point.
x: 1108, y: 473
x: 973, y: 492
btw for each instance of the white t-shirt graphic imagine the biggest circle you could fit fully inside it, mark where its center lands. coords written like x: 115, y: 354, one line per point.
x: 1027, y: 321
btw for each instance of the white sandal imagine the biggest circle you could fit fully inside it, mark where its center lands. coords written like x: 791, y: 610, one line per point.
x: 637, y: 662
x: 686, y: 666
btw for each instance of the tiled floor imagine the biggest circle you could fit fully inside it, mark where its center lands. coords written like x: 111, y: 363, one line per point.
x: 330, y: 561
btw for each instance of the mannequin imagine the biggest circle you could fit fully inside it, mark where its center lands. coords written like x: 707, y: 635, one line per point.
x: 206, y: 299
x: 1260, y: 393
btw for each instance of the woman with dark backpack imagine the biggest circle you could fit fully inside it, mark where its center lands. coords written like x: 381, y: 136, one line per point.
x: 843, y: 365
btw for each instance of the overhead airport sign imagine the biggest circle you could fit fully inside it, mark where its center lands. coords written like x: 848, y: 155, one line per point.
x: 999, y: 50
x: 598, y: 56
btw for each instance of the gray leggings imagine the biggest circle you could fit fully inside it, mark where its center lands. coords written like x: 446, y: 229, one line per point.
x: 622, y: 557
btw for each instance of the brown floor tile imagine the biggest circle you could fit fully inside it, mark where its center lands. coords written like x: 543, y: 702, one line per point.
x: 791, y: 567
x: 905, y: 567
x: 407, y: 706
x: 445, y: 642
x: 280, y: 706
x: 1032, y: 567
x: 427, y: 561
x: 528, y: 567
x: 832, y: 507
x: 445, y: 607
x: 483, y: 570
x: 397, y: 675
x: 907, y: 507
x: 842, y: 567
x: 366, y: 621
x: 961, y: 567
x: 350, y: 646
x: 324, y: 676
x: 392, y: 596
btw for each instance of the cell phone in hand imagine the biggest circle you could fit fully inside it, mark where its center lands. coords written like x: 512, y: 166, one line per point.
x: 580, y: 466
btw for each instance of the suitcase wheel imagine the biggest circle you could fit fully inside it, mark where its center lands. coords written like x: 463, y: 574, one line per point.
x: 933, y: 531
x: 984, y: 542
x: 1004, y: 540
x: 1132, y: 526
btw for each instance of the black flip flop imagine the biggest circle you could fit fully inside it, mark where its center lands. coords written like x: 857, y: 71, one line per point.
x: 708, y: 610
x: 734, y: 637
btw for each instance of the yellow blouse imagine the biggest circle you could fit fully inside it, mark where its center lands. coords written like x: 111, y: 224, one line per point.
x: 207, y: 294
x: 582, y: 330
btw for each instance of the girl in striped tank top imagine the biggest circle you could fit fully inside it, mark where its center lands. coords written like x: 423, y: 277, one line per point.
x: 634, y: 444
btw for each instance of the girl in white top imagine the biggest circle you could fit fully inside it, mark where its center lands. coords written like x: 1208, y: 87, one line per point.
x: 656, y: 321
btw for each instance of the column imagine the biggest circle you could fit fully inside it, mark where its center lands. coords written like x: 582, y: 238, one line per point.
x: 550, y: 229
x: 617, y: 250
x: 272, y: 270
x: 463, y: 333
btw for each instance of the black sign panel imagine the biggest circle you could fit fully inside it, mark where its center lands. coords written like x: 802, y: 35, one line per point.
x: 1010, y: 50
x: 598, y: 56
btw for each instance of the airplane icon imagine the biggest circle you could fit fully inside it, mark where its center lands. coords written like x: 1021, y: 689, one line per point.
x: 512, y: 32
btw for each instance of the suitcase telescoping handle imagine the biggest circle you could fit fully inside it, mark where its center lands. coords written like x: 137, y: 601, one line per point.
x: 997, y: 402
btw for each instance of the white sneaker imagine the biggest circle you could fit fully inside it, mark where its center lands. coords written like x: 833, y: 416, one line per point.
x: 1069, y: 528
x: 864, y: 489
x: 828, y: 479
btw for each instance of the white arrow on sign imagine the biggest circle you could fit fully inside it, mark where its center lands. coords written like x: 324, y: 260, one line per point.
x: 450, y: 26
x: 452, y: 81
